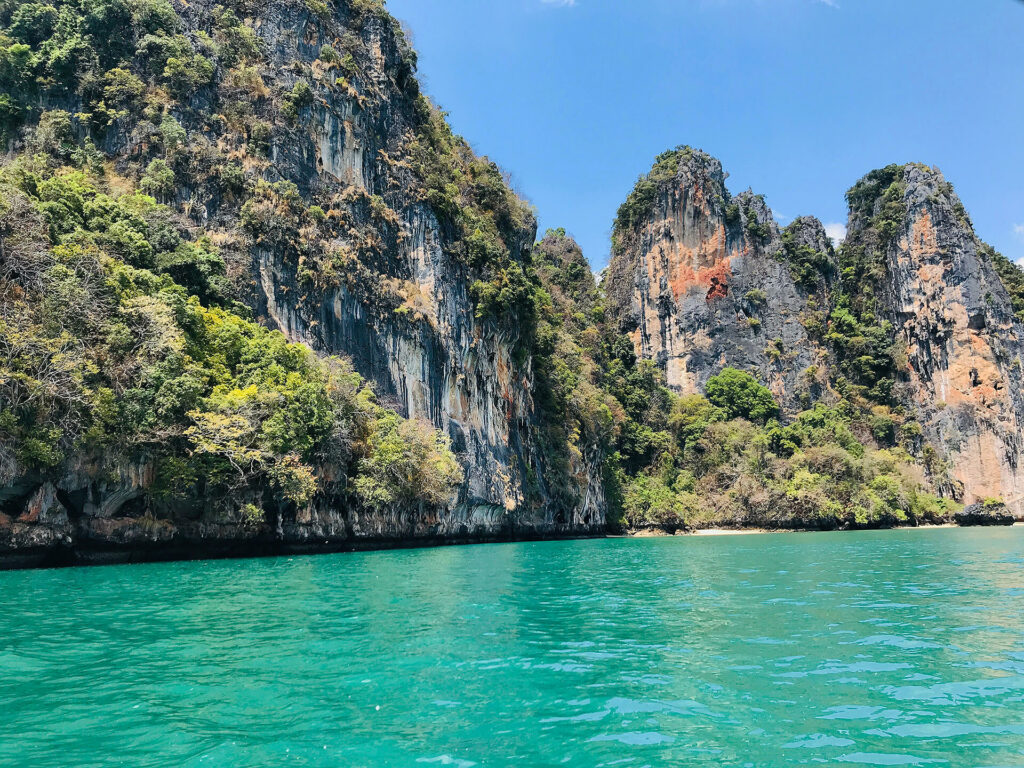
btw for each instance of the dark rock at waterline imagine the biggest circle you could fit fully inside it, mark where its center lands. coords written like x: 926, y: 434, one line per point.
x: 982, y: 514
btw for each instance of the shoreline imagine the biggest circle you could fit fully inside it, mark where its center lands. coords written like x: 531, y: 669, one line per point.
x: 193, y: 550
x: 654, y: 533
x: 91, y: 554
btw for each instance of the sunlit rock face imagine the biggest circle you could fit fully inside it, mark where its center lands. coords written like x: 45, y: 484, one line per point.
x: 702, y: 283
x: 702, y: 280
x: 963, y: 343
x: 430, y: 356
x: 331, y: 234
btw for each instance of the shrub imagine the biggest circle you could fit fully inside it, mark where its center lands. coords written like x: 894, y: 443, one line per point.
x: 260, y: 134
x: 33, y: 23
x: 172, y: 134
x: 122, y: 89
x: 755, y: 297
x: 186, y: 74
x: 300, y: 97
x: 329, y: 55
x: 54, y: 136
x: 318, y: 7
x: 408, y: 462
x: 158, y: 180
x: 740, y: 396
x: 758, y: 232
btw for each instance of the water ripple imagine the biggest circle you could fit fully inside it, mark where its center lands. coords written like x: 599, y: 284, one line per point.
x: 875, y: 648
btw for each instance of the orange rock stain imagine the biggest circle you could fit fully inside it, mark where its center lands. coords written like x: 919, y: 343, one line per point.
x: 924, y: 241
x: 708, y: 268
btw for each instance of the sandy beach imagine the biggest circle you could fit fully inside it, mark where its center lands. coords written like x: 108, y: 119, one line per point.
x: 654, y: 533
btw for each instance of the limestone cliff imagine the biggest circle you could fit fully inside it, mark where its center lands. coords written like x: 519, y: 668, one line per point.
x: 912, y: 314
x: 292, y: 137
x: 700, y: 280
x: 923, y: 268
x: 402, y: 311
x: 193, y: 173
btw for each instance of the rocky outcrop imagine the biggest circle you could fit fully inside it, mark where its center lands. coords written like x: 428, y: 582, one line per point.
x: 429, y: 356
x: 700, y: 280
x: 984, y: 515
x: 937, y: 285
x: 346, y: 227
x: 79, y: 519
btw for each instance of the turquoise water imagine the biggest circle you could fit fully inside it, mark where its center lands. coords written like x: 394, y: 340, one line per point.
x: 883, y: 648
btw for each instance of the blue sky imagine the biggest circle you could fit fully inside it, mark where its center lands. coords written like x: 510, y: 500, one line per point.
x: 798, y: 98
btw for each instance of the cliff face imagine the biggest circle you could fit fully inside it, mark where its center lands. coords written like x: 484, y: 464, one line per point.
x: 912, y: 314
x: 575, y: 444
x: 293, y: 138
x: 935, y: 281
x: 700, y: 281
x: 405, y: 315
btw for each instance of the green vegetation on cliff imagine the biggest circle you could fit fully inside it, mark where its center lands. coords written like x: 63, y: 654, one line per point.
x: 867, y: 352
x: 1012, y: 277
x: 641, y: 200
x: 813, y: 471
x: 117, y: 343
x: 601, y: 409
x: 728, y: 457
x: 809, y: 266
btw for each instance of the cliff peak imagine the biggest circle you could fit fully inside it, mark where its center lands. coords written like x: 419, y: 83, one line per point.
x: 677, y: 169
x: 913, y: 259
x: 699, y: 281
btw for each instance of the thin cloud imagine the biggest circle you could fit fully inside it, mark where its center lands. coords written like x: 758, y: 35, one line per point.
x: 829, y: 3
x: 836, y: 232
x: 560, y: 3
x: 1018, y: 231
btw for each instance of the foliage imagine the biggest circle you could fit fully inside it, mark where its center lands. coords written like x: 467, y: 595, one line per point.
x: 300, y: 97
x: 120, y: 335
x: 759, y: 232
x: 1012, y: 277
x: 808, y: 266
x: 865, y: 351
x: 409, y: 462
x: 638, y: 204
x: 878, y: 199
x: 112, y: 342
x: 601, y: 410
x: 188, y: 73
x: 868, y: 353
x: 813, y: 473
x: 158, y: 180
x: 740, y: 396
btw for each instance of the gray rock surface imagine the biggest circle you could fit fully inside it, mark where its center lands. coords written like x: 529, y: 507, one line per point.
x: 703, y: 284
x: 982, y: 515
x: 405, y: 318
x: 964, y: 346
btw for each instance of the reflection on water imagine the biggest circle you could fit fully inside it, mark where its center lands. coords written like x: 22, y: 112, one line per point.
x: 885, y: 648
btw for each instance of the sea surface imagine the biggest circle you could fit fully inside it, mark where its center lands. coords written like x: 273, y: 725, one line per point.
x: 879, y: 648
